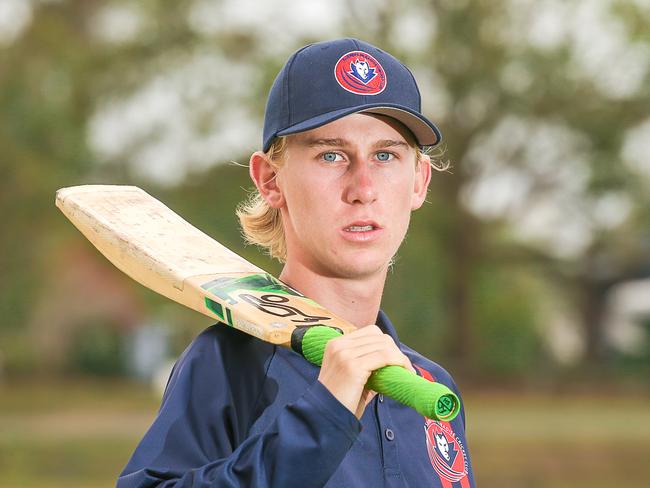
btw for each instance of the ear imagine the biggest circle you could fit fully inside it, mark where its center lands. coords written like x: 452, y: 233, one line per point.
x: 422, y: 180
x: 264, y: 175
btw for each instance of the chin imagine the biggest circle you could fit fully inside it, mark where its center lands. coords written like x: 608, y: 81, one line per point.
x: 360, y: 267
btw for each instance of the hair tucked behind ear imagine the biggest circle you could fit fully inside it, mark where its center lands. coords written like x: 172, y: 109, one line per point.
x: 261, y: 224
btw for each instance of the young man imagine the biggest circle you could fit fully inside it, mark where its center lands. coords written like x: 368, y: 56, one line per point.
x: 340, y: 172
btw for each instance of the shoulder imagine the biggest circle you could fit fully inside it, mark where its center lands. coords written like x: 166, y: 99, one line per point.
x: 219, y: 379
x: 224, y: 345
x: 222, y: 360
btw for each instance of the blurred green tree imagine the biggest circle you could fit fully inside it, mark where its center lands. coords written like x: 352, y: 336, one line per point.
x: 543, y: 106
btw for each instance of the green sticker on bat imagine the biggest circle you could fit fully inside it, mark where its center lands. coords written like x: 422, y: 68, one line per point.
x: 224, y: 313
x: 226, y: 287
x: 274, y: 301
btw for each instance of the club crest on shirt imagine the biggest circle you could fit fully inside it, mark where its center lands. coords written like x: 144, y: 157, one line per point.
x: 446, y: 451
x: 358, y: 72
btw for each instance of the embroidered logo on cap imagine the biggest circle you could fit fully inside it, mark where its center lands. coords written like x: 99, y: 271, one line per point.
x: 358, y: 72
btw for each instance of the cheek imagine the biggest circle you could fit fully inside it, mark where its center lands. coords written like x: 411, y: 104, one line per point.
x: 306, y: 200
x: 402, y: 194
x: 401, y: 206
x: 401, y: 225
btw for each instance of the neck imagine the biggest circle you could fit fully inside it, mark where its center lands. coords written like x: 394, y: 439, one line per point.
x: 357, y: 300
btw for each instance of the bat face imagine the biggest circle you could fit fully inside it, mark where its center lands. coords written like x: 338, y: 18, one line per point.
x: 156, y: 247
x: 275, y: 300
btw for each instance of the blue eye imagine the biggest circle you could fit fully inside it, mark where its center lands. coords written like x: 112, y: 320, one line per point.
x: 384, y: 156
x: 331, y: 157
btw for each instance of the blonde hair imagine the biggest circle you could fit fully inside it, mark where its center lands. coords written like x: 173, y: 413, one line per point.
x: 261, y: 224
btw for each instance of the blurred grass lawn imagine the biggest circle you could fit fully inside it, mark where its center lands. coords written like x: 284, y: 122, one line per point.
x: 81, y: 434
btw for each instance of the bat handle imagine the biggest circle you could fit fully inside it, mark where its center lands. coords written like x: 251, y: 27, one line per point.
x: 433, y: 400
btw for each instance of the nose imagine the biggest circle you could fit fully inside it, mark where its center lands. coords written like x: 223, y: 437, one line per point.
x: 360, y: 186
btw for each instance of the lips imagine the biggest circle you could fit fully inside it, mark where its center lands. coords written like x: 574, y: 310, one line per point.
x: 362, y: 226
x: 359, y: 228
x: 363, y: 231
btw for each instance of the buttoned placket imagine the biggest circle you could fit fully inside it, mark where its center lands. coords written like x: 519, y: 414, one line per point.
x: 388, y: 438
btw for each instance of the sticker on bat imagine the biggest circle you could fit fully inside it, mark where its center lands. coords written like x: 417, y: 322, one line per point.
x: 224, y: 313
x: 224, y: 287
x: 277, y: 305
x: 273, y: 302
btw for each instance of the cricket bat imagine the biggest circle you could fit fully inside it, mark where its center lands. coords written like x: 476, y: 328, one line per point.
x: 156, y: 247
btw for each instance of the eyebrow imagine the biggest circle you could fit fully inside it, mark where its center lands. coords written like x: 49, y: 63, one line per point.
x: 391, y: 143
x: 339, y: 142
x: 325, y: 142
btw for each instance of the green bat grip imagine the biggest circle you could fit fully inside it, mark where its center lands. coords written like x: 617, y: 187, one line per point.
x: 433, y: 400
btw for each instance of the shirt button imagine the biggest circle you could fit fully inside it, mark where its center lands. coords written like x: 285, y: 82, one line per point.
x: 390, y: 435
x: 381, y: 398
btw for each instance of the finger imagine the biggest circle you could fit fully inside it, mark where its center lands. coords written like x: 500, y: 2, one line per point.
x: 371, y: 356
x: 368, y: 330
x: 359, y: 337
x: 352, y: 350
x: 376, y: 360
x: 378, y: 341
x: 390, y: 352
x: 366, y: 397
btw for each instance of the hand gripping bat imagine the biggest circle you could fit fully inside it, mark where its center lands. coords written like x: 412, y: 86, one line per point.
x: 156, y: 247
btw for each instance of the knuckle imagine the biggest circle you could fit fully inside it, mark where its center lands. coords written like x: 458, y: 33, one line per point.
x: 333, y: 345
x: 336, y: 351
x: 345, y: 354
x: 390, y: 345
x: 371, y: 329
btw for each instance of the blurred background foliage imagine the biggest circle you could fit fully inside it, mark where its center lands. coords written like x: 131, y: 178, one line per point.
x: 529, y: 267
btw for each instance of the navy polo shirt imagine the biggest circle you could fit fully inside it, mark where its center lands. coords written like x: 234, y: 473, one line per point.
x: 239, y: 412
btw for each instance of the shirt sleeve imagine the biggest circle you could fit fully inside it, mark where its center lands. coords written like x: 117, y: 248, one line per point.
x: 200, y: 435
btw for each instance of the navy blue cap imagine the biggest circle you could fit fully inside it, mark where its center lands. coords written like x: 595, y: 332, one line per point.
x: 323, y: 82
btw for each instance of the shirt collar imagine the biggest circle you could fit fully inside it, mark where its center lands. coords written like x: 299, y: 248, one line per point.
x: 384, y: 323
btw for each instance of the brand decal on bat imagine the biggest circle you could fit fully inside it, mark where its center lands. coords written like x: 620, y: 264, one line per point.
x: 275, y: 301
x: 224, y: 313
x: 225, y: 287
x: 277, y: 305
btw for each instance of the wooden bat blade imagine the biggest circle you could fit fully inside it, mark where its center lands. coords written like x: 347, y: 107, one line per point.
x: 155, y: 246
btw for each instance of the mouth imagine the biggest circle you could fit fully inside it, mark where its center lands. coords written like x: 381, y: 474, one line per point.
x: 362, y: 231
x: 362, y: 226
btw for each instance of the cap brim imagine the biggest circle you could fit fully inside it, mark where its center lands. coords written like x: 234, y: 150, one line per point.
x: 425, y: 132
